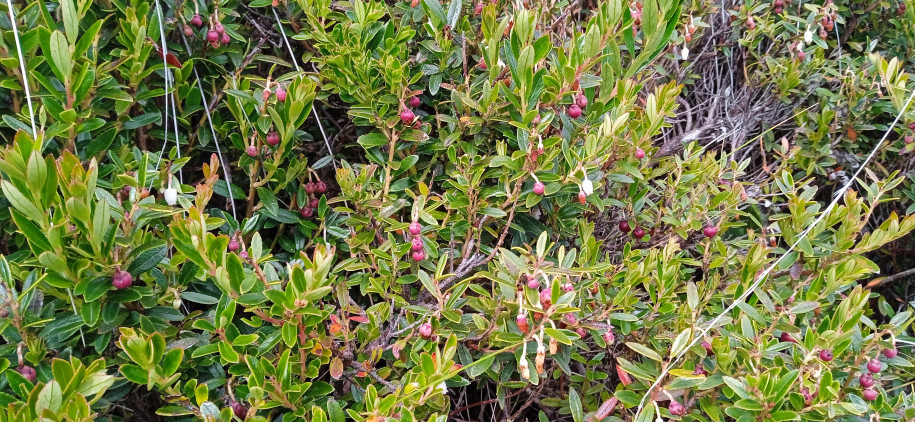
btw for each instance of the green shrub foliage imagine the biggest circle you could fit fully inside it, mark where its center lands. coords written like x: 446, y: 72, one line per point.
x: 534, y: 210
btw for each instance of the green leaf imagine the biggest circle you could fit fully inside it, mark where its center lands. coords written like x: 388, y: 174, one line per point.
x: 60, y: 55
x: 146, y: 257
x: 71, y: 20
x: 575, y: 405
x: 644, y: 351
x: 268, y: 200
x: 558, y: 335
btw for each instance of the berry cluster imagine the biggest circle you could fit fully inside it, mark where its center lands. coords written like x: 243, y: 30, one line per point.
x: 216, y: 34
x: 312, y: 190
x: 417, y: 244
x: 575, y: 110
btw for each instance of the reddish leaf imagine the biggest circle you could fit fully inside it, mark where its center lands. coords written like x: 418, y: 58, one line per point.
x: 336, y: 368
x: 359, y: 319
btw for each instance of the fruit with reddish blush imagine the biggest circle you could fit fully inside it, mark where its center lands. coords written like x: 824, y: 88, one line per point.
x: 624, y: 226
x: 309, y: 187
x: 710, y: 231
x: 240, y: 410
x: 676, y: 409
x: 609, y: 338
x: 425, y: 330
x: 415, y: 228
x: 281, y: 94
x: 866, y: 380
x: 546, y: 298
x: 639, y: 153
x: 252, y: 151
x: 313, y: 203
x: 533, y: 284
x: 407, y: 116
x: 699, y: 371
x: 574, y: 111
x: 825, y: 355
x: 417, y: 244
x: 320, y: 187
x: 243, y: 255
x: 415, y: 102
x: 638, y: 233
x: 197, y: 21
x: 273, y: 138
x: 582, y: 198
x: 419, y: 256
x: 582, y: 101
x: 212, y: 36
x: 890, y: 353
x: 225, y: 39
x: 523, y: 325
x: 708, y: 348
x: 28, y: 373
x: 121, y: 279
x: 568, y: 287
x: 787, y: 337
x: 188, y: 31
x: 539, y: 188
x: 233, y: 245
x: 874, y: 365
x: 870, y: 394
x: 219, y: 29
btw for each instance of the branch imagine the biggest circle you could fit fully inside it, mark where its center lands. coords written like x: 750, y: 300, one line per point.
x: 883, y: 280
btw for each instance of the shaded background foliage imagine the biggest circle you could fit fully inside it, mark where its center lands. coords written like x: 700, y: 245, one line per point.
x: 467, y: 211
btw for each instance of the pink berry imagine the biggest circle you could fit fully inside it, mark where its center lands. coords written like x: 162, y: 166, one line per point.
x: 533, y: 284
x: 825, y: 355
x: 708, y: 348
x: 609, y: 338
x: 225, y: 40
x: 909, y: 139
x: 638, y: 233
x: 870, y: 394
x: 309, y: 187
x: 313, y: 203
x: 233, y: 245
x: 890, y: 353
x: 582, y: 101
x: 419, y: 256
x: 787, y: 337
x: 307, y: 212
x: 273, y: 139
x: 801, y: 55
x: 699, y: 371
x: 676, y: 409
x: 415, y: 228
x: 710, y: 231
x: 212, y: 36
x: 219, y: 29
x: 912, y: 126
x: 239, y: 410
x: 425, y: 330
x: 252, y: 151
x: 570, y: 319
x: 523, y: 325
x: 539, y: 188
x: 874, y: 365
x: 197, y: 21
x: 546, y: 298
x: 188, y: 31
x: 320, y: 187
x: 417, y: 244
x: 478, y: 8
x: 639, y: 153
x: 243, y: 255
x: 407, y: 116
x: 482, y: 65
x: 568, y: 287
x: 574, y: 111
x: 415, y: 102
x: 866, y: 380
x: 121, y: 280
x: 624, y: 226
x: 28, y: 373
x: 281, y: 94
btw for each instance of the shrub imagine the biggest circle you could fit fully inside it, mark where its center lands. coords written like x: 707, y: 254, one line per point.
x: 586, y: 210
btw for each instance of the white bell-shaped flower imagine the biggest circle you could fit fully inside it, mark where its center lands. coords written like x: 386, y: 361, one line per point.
x: 171, y: 196
x: 685, y: 53
x: 586, y: 186
x: 808, y: 36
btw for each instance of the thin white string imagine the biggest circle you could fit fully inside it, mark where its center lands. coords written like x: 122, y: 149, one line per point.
x: 314, y: 110
x: 25, y: 76
x: 838, y: 195
x: 206, y: 109
x: 168, y: 76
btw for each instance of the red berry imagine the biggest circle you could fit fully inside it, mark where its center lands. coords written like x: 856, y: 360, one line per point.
x: 825, y: 355
x: 225, y: 40
x: 281, y: 94
x: 570, y: 319
x: 676, y: 409
x: 415, y: 102
x: 890, y: 353
x: 639, y: 153
x: 28, y: 373
x: 233, y: 245
x: 273, y: 139
x: 417, y: 244
x: 482, y: 64
x: 212, y: 36
x: 870, y: 394
x: 219, y: 29
x: 415, y: 228
x: 121, y: 280
x: 582, y: 101
x: 639, y: 233
x: 912, y: 126
x: 582, y: 198
x: 546, y: 298
x: 320, y: 187
x: 574, y: 111
x: 307, y: 212
x: 243, y: 255
x: 419, y: 256
x: 238, y: 409
x: 309, y: 187
x: 407, y: 116
x: 414, y: 3
x: 533, y: 284
x: 708, y: 348
x: 624, y: 226
x: 539, y: 188
x: 197, y: 21
x: 581, y: 332
x: 523, y: 325
x: 874, y: 365
x: 425, y: 330
x: 787, y: 337
x: 568, y: 287
x: 908, y: 139
x: 778, y: 10
x: 866, y: 380
x: 710, y: 231
x: 252, y: 151
x: 313, y: 203
x: 188, y: 31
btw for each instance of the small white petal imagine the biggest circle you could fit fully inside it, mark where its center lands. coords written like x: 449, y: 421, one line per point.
x: 685, y: 53
x: 171, y: 196
x: 808, y: 36
x: 800, y: 46
x: 587, y: 187
x: 443, y: 387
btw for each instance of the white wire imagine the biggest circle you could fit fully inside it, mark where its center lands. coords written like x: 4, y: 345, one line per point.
x: 25, y: 76
x: 206, y: 109
x: 168, y: 75
x: 838, y: 195
x: 314, y: 110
